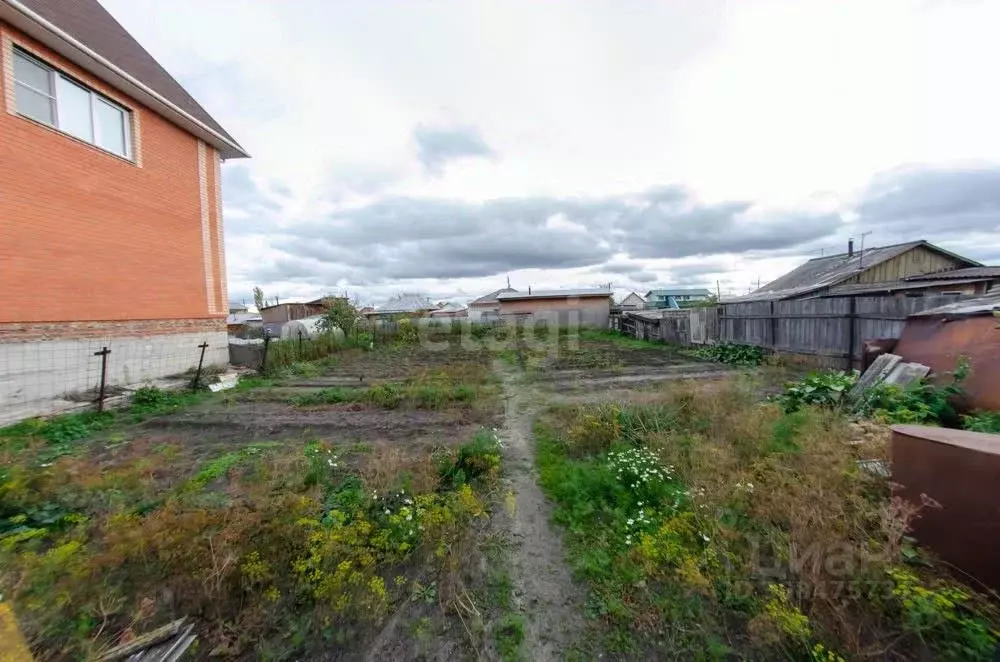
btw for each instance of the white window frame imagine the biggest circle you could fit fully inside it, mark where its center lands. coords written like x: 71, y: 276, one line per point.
x: 95, y: 96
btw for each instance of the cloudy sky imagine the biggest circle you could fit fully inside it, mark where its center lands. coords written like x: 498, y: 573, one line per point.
x: 439, y: 147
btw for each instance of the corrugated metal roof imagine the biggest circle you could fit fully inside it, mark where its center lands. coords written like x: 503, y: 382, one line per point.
x: 632, y: 299
x: 971, y: 272
x: 448, y: 308
x: 407, y: 303
x: 821, y: 272
x: 984, y: 305
x: 893, y: 286
x: 490, y: 298
x: 554, y: 294
x: 243, y: 318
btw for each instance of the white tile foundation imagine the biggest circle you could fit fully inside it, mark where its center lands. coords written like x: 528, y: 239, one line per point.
x: 36, y: 376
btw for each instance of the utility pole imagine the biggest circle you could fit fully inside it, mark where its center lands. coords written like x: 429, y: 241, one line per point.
x: 718, y: 292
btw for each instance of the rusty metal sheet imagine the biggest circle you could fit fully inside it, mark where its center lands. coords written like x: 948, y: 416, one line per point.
x: 939, y: 343
x: 959, y: 470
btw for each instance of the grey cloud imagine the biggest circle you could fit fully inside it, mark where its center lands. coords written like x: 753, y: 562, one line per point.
x: 932, y: 201
x: 681, y: 228
x: 399, y: 238
x: 641, y: 276
x: 437, y: 145
x: 255, y: 210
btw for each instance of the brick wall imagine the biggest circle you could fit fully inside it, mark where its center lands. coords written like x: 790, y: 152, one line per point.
x: 86, y: 235
x: 37, y: 331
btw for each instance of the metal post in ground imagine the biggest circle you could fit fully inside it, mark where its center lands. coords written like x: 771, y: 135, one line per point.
x: 104, y: 376
x: 300, y: 344
x: 263, y: 360
x: 201, y: 361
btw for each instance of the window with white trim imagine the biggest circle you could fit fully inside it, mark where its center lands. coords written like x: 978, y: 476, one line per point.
x: 51, y: 97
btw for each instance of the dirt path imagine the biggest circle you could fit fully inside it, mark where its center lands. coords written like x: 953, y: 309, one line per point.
x: 552, y: 603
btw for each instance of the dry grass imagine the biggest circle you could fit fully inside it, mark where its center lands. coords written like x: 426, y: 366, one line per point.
x: 776, y: 542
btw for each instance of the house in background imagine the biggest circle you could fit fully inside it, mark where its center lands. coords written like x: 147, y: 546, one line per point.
x: 971, y: 281
x: 632, y: 302
x: 449, y: 310
x: 662, y: 298
x: 901, y: 269
x: 243, y: 325
x: 111, y: 208
x: 274, y: 317
x: 586, y: 307
x: 404, y: 305
x: 487, y: 307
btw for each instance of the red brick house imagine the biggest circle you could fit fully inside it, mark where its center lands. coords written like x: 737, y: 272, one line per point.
x: 110, y: 206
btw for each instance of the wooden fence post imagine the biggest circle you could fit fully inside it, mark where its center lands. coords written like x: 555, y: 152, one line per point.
x: 851, y: 340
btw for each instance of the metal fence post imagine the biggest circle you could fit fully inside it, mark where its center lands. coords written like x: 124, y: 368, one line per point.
x: 201, y: 360
x: 104, y: 375
x: 263, y: 360
x: 300, y: 344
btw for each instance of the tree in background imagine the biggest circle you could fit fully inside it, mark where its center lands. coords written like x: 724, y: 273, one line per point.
x: 340, y: 314
x: 258, y: 298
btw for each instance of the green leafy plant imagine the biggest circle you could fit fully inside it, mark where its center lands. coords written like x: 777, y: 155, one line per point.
x: 824, y: 389
x: 340, y: 314
x: 943, y: 618
x: 923, y: 401
x: 732, y: 354
x: 982, y: 421
x: 477, y: 460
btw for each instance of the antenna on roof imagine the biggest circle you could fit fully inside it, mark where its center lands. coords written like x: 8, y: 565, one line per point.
x: 861, y: 254
x: 508, y: 281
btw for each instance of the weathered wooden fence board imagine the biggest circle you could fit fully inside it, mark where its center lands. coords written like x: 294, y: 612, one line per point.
x: 833, y: 328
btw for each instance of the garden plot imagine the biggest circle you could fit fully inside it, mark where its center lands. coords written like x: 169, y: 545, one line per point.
x: 296, y: 517
x: 708, y: 523
x: 596, y: 363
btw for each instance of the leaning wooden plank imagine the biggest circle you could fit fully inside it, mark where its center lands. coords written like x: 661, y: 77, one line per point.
x: 143, y: 641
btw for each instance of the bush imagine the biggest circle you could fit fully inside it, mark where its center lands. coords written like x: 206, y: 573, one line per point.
x: 920, y: 402
x: 982, y: 421
x: 732, y: 354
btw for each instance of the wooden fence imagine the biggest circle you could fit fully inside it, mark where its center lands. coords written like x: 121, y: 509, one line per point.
x: 829, y: 330
x: 691, y: 326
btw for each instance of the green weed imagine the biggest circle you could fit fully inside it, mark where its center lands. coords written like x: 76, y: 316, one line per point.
x: 732, y: 354
x: 508, y: 635
x: 982, y: 421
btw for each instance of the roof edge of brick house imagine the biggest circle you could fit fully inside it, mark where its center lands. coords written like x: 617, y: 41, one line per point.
x: 52, y: 36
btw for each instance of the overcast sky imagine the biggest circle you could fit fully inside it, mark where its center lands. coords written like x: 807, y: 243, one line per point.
x: 441, y: 146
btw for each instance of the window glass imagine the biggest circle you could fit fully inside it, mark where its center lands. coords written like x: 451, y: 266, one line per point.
x: 46, y: 95
x: 110, y: 123
x: 73, y: 105
x: 34, y: 105
x: 32, y: 74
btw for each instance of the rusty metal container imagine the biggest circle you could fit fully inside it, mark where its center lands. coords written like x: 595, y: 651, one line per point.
x: 938, y: 338
x: 960, y: 470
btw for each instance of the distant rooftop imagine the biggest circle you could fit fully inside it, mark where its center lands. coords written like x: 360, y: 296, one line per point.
x: 407, y: 303
x: 554, y: 294
x: 829, y: 270
x: 490, y: 298
x: 675, y: 292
